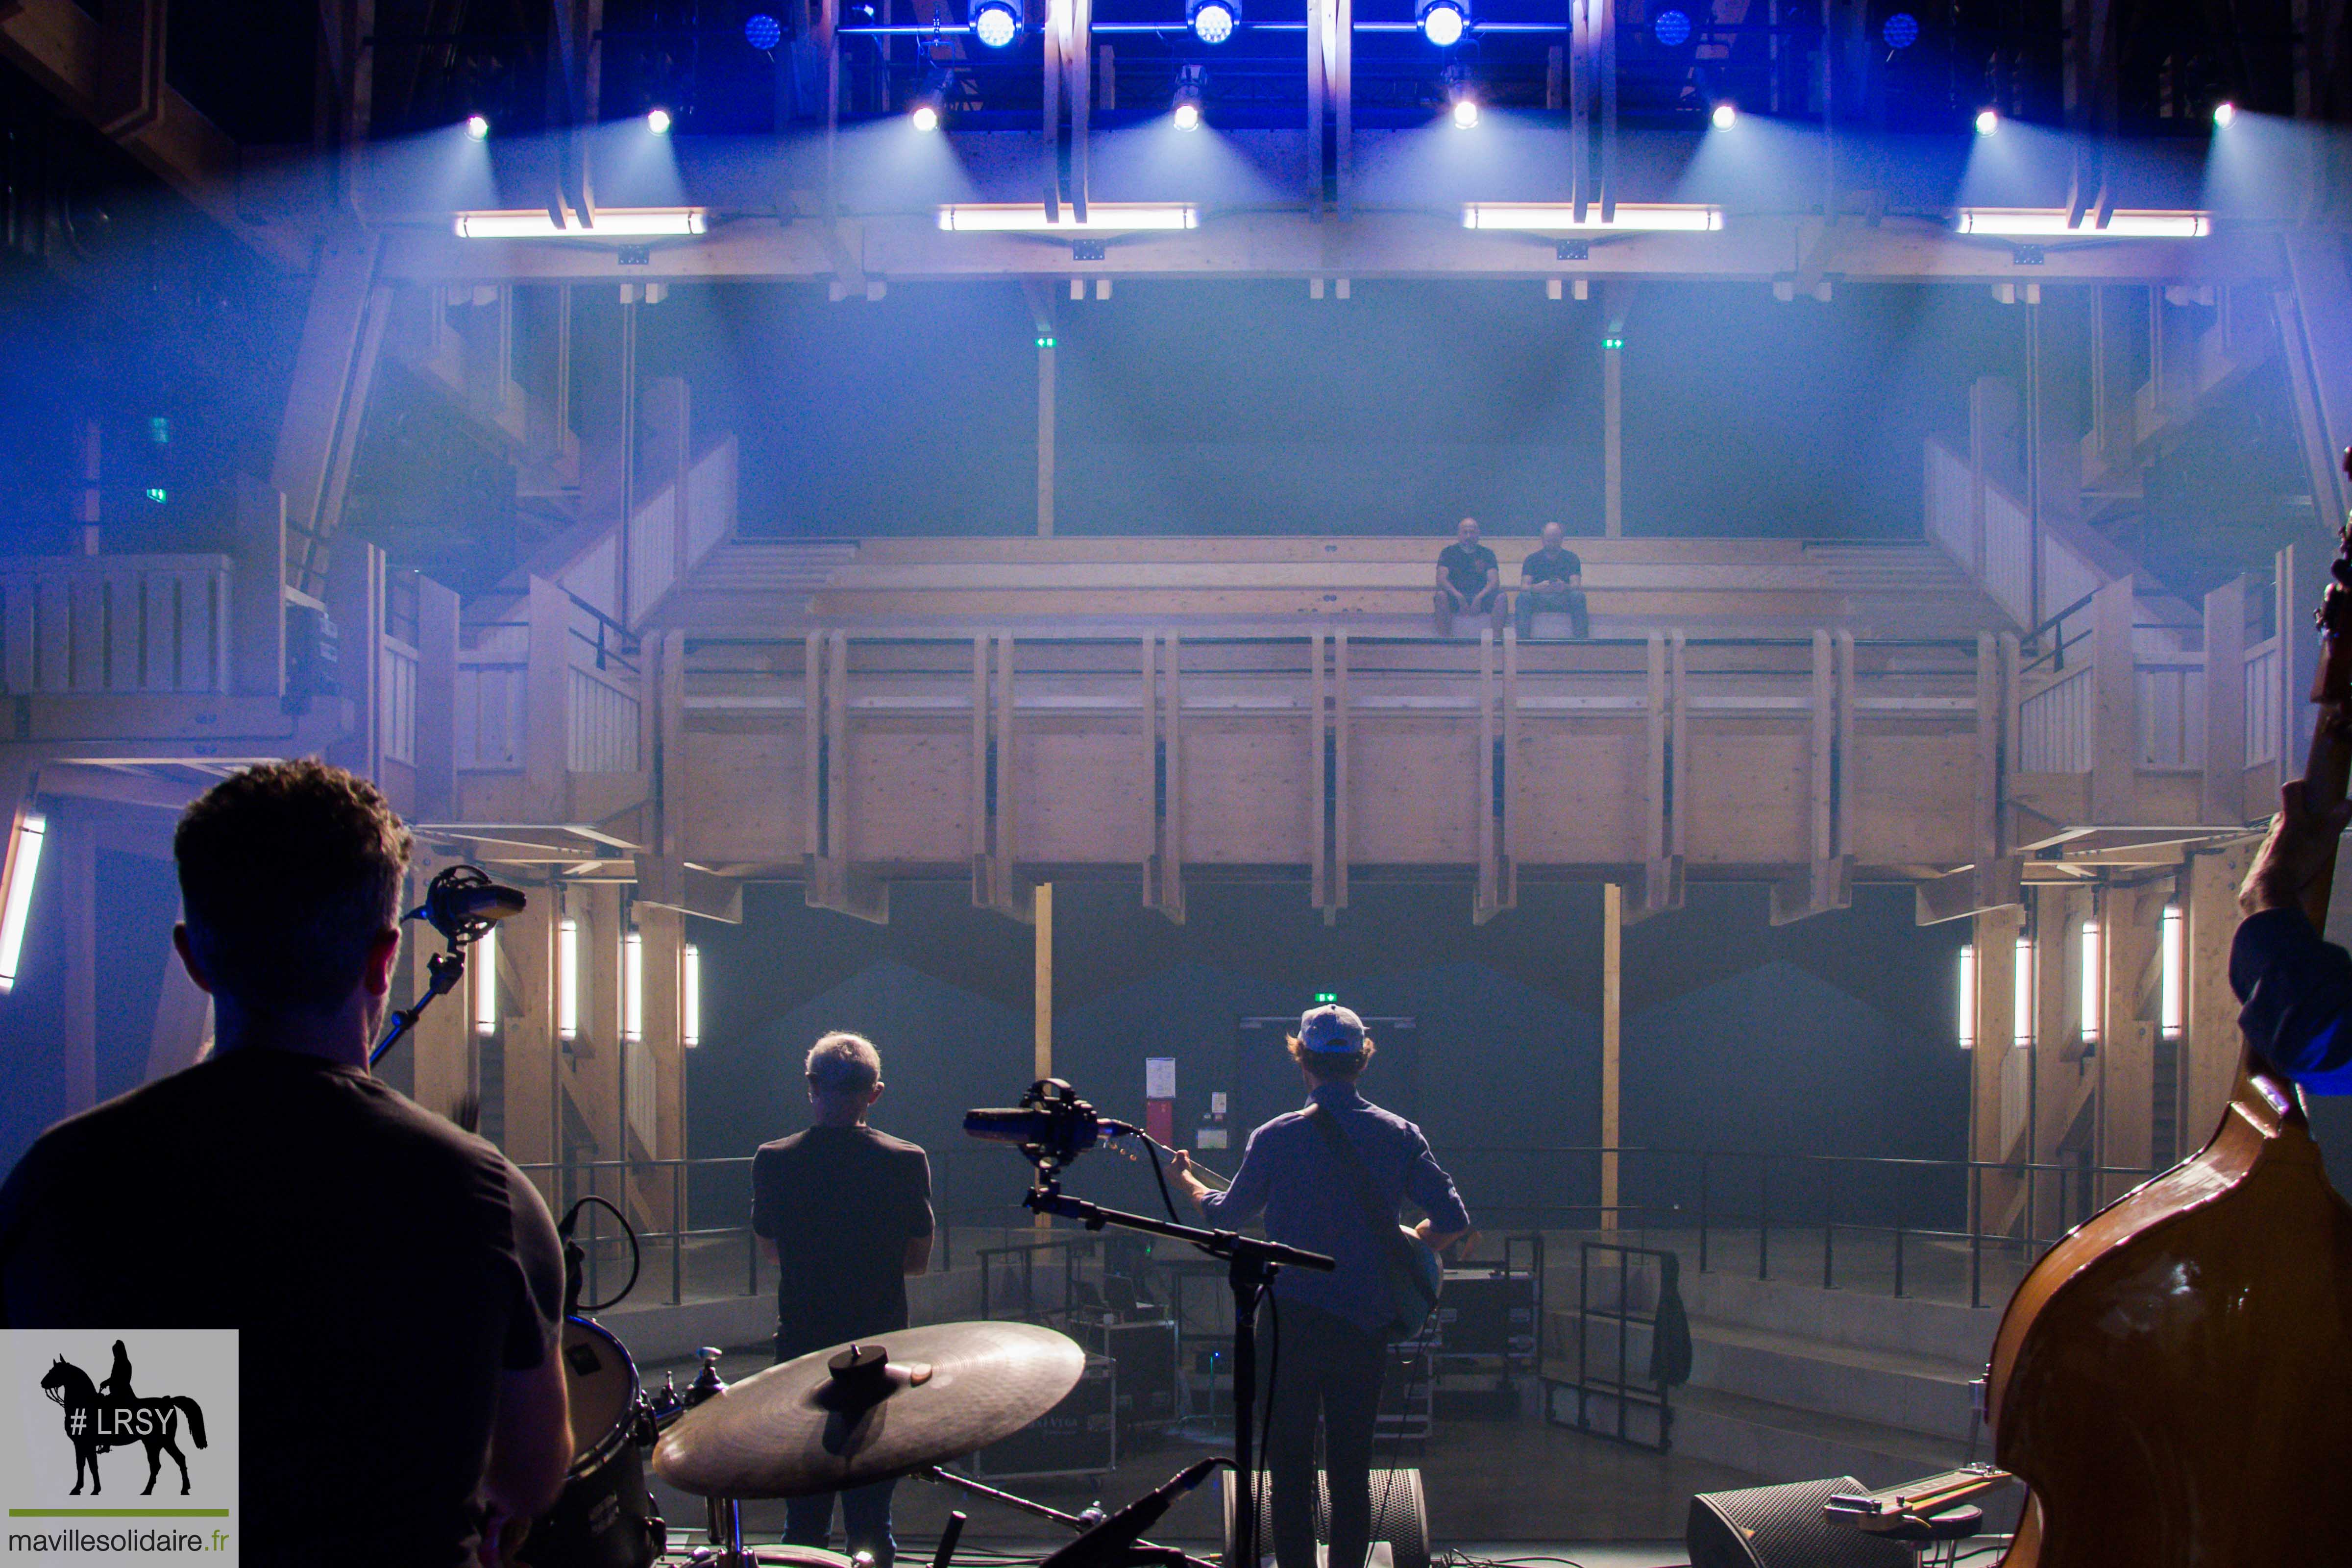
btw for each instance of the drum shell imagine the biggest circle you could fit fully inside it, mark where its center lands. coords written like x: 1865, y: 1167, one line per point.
x: 604, y: 1517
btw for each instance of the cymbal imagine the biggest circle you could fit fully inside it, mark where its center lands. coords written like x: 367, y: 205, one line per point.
x: 833, y: 1419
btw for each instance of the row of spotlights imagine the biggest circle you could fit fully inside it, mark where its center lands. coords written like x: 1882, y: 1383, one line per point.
x: 997, y: 22
x: 658, y: 121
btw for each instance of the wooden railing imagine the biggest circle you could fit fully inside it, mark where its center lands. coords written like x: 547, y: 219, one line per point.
x: 2054, y: 726
x: 85, y: 625
x: 2262, y: 687
x: 397, y: 694
x: 2171, y: 705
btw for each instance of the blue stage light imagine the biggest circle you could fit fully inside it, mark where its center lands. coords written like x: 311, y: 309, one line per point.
x: 1987, y: 122
x: 1213, y: 21
x: 477, y: 128
x: 762, y: 31
x: 1672, y: 29
x: 1901, y: 30
x: 1443, y: 22
x: 996, y: 23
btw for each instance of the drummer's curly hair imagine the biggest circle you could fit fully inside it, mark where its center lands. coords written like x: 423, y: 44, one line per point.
x: 289, y: 872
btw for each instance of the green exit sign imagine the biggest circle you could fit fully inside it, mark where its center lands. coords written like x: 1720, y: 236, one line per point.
x: 1326, y: 997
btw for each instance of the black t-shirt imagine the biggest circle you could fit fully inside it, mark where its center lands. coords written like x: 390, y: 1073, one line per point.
x: 841, y: 1204
x: 1465, y: 566
x: 1551, y: 566
x: 383, y: 1266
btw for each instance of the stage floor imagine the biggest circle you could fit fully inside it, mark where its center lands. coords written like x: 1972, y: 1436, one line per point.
x: 1518, y: 1488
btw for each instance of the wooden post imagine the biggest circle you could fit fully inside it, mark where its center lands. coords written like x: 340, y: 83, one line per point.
x: 1046, y: 432
x: 2127, y: 936
x: 2212, y: 1045
x: 1996, y: 932
x: 1612, y: 432
x: 256, y: 593
x: 2115, y: 699
x: 1043, y: 904
x: 526, y: 958
x: 2224, y: 759
x: 1612, y: 941
x: 547, y: 703
x: 76, y: 900
x: 356, y: 590
x: 437, y: 701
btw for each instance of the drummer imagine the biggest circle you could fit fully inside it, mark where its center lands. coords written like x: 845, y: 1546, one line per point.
x: 845, y: 1211
x: 396, y: 1281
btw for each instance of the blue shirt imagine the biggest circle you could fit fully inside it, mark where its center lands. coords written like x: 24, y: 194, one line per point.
x: 2297, y: 988
x: 1289, y: 1173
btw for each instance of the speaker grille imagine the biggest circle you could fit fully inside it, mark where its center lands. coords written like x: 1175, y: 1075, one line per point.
x: 1783, y: 1527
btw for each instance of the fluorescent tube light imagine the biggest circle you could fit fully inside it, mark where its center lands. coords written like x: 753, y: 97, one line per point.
x: 482, y: 959
x: 609, y: 223
x: 1629, y: 217
x: 567, y: 978
x: 689, y: 995
x: 2050, y: 222
x: 16, y: 904
x: 2022, y: 994
x: 1968, y: 1030
x: 633, y: 987
x: 1102, y: 217
x: 2094, y: 977
x: 2172, y: 991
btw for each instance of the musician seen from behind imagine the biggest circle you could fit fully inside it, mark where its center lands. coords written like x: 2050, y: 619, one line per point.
x: 2296, y: 985
x: 396, y: 1282
x: 1328, y: 1197
x: 1469, y: 580
x: 844, y: 1213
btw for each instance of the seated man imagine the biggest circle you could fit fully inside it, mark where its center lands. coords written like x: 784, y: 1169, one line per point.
x: 396, y: 1282
x: 1469, y: 579
x: 1552, y: 580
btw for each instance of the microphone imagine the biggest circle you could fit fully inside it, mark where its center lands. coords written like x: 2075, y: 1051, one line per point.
x: 1106, y: 1545
x: 463, y: 900
x: 1051, y: 1125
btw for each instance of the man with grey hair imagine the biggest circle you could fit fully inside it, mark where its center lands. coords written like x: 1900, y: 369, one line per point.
x: 844, y: 1213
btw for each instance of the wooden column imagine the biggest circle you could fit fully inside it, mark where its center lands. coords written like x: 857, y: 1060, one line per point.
x: 1995, y: 937
x: 2115, y: 705
x: 2127, y: 1059
x: 73, y: 895
x: 1612, y: 433
x: 2212, y: 1046
x: 527, y: 1032
x: 1046, y: 352
x: 2223, y: 796
x: 2062, y: 1074
x: 437, y: 701
x: 441, y: 1046
x: 547, y: 704
x: 1042, y: 1000
x: 1613, y: 1001
x: 355, y: 593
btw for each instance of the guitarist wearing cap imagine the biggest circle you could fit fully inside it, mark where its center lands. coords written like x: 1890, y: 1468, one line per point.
x: 1330, y: 1178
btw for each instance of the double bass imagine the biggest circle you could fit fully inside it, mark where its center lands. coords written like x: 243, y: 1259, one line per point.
x: 2173, y: 1381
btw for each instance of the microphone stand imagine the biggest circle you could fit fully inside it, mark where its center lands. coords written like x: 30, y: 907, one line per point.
x: 442, y: 971
x: 1251, y: 1265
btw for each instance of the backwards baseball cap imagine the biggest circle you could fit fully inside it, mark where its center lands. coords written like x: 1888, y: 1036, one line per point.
x: 1331, y: 1029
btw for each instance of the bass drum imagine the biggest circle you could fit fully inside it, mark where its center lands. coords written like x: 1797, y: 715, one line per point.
x: 604, y: 1517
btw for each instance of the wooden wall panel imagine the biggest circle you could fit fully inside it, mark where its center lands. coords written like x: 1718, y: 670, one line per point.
x: 1081, y: 794
x: 1248, y: 791
x: 1578, y: 792
x: 1913, y: 796
x: 1413, y: 792
x: 911, y: 792
x: 1748, y: 800
x: 742, y: 796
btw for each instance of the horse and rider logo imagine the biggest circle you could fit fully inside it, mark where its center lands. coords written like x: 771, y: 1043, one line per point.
x: 98, y: 1416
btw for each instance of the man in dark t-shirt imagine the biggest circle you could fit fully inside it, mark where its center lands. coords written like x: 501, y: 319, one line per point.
x: 845, y: 1213
x: 396, y: 1282
x: 1553, y: 579
x: 1469, y: 581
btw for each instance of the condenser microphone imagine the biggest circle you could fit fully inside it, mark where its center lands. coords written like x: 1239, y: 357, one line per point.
x: 464, y: 899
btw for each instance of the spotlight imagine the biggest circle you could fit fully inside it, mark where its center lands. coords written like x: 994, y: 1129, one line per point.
x: 1466, y: 113
x: 657, y: 121
x: 1724, y: 117
x: 1190, y: 83
x: 1213, y: 21
x: 1672, y: 28
x: 926, y: 117
x: 996, y: 23
x: 477, y: 128
x: 2223, y: 113
x: 1987, y: 122
x: 1443, y: 22
x: 762, y: 31
x: 1900, y: 30
x: 1188, y: 115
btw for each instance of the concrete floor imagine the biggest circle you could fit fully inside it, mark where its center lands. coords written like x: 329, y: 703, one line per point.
x: 1516, y: 1488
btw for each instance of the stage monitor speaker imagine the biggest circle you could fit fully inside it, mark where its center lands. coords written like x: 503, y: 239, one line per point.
x: 1400, y: 1516
x: 1784, y: 1527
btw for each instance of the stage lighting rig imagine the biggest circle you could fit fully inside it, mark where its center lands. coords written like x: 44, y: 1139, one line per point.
x: 1672, y: 27
x: 996, y: 23
x: 1900, y: 30
x: 478, y: 127
x: 1725, y: 116
x: 2223, y: 113
x: 1443, y: 22
x: 1987, y: 122
x: 1189, y: 80
x: 762, y: 32
x: 1213, y: 21
x: 658, y: 121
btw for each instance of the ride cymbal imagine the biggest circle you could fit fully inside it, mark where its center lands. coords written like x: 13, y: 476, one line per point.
x: 848, y: 1416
